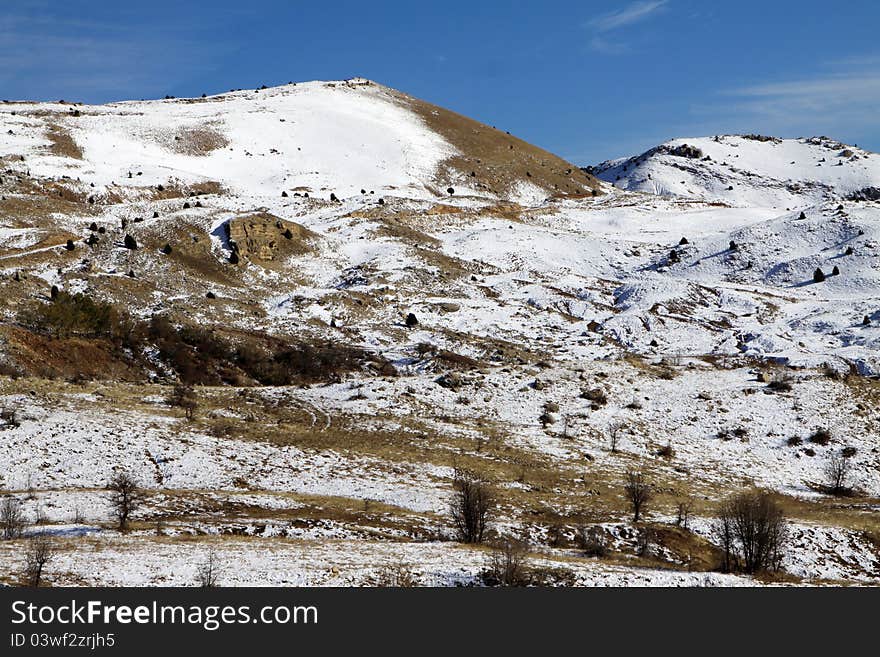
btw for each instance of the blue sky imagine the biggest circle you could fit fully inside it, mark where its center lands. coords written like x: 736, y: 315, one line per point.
x: 588, y: 80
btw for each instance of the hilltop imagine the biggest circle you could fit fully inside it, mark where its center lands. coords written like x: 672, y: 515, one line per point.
x: 749, y: 170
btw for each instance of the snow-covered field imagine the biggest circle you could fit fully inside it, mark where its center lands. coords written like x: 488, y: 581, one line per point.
x: 680, y: 293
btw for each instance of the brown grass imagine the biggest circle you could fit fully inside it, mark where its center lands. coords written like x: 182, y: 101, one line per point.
x: 63, y: 144
x: 199, y: 141
x: 497, y: 160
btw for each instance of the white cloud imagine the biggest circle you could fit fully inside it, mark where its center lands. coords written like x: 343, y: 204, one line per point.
x: 630, y: 14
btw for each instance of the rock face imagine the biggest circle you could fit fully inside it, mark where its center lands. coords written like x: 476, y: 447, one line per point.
x: 684, y: 150
x: 266, y: 238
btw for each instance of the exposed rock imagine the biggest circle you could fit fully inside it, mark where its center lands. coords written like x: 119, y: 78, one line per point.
x: 266, y: 238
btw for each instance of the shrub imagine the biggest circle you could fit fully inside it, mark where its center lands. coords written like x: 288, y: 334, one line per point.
x: 592, y: 541
x: 684, y: 513
x: 472, y: 506
x: 508, y: 564
x: 184, y: 396
x: 615, y: 431
x: 70, y: 314
x: 752, y: 532
x: 395, y: 576
x: 821, y: 436
x: 666, y: 451
x: 781, y: 384
x: 637, y: 492
x: 818, y: 275
x: 208, y: 572
x: 9, y: 417
x: 837, y: 472
x: 130, y: 242
x: 125, y: 498
x: 12, y: 520
x: 40, y: 550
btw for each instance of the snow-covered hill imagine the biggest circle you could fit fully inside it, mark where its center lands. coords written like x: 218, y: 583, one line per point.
x: 493, y: 308
x: 349, y: 138
x: 748, y: 170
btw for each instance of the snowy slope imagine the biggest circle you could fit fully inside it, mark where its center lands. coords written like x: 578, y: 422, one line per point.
x: 531, y: 293
x: 324, y: 137
x: 347, y: 138
x: 748, y: 170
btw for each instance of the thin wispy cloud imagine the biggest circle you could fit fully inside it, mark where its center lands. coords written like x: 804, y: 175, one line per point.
x: 602, y: 27
x: 637, y: 11
x: 842, y: 102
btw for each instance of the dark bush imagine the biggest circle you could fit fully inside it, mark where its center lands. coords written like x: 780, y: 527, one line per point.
x: 752, y: 533
x: 781, y: 384
x: 592, y: 542
x: 68, y: 315
x: 821, y: 436
x: 472, y: 506
x: 508, y: 565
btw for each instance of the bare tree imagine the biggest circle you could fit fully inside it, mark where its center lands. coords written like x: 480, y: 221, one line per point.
x: 472, y: 506
x: 752, y: 531
x: 684, y: 513
x: 39, y: 552
x: 837, y: 472
x: 615, y: 431
x: 12, y: 520
x: 209, y: 572
x: 508, y: 564
x: 724, y: 536
x: 184, y: 396
x: 125, y: 497
x: 638, y: 492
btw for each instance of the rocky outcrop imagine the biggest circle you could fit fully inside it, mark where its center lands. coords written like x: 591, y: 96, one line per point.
x: 265, y: 238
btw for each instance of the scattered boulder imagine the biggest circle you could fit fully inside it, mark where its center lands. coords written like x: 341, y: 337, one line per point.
x: 685, y: 150
x: 450, y: 381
